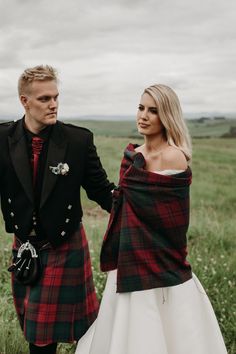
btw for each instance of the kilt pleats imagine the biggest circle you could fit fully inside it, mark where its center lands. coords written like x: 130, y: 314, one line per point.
x: 63, y: 304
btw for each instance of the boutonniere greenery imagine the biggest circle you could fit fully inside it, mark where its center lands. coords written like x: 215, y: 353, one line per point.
x: 60, y: 169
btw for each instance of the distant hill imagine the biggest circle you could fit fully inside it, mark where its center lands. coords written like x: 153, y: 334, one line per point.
x: 130, y: 117
x: 203, y: 127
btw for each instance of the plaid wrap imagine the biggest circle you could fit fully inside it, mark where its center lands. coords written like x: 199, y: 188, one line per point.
x: 146, y: 235
x: 63, y: 304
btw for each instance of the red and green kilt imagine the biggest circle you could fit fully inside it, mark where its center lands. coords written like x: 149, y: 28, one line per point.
x: 63, y: 304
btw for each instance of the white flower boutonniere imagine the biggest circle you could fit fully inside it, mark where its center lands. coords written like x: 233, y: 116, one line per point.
x: 60, y: 169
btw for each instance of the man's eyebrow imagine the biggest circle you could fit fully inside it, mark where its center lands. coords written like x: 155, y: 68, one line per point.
x: 48, y: 96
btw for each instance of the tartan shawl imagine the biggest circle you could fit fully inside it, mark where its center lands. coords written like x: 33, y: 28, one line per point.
x: 146, y: 235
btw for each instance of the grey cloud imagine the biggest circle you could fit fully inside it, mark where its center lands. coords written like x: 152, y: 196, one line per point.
x: 106, y: 52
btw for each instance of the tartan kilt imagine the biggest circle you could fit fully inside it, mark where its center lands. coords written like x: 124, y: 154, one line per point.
x: 62, y: 305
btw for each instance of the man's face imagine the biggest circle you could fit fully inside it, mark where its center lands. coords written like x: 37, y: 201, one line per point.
x: 41, y: 104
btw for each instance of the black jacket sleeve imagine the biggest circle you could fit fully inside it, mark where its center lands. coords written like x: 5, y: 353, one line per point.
x: 96, y: 184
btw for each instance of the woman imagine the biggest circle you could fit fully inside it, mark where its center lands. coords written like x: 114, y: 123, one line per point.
x: 152, y: 302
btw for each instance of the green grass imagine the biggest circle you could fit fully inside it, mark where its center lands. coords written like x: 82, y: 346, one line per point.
x: 211, y: 235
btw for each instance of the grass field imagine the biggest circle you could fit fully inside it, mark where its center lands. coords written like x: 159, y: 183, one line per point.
x: 211, y: 234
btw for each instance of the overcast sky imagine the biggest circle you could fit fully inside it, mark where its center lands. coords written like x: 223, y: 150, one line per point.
x: 107, y: 52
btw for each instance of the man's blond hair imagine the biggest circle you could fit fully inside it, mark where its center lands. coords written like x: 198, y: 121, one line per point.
x: 37, y: 73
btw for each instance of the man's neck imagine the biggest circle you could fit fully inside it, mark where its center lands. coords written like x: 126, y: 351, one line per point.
x: 32, y: 127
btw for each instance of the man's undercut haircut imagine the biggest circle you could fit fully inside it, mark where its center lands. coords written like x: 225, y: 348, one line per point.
x: 37, y: 73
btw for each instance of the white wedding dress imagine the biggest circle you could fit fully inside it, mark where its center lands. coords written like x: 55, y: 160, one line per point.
x: 171, y: 320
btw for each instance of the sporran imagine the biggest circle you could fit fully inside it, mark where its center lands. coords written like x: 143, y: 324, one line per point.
x: 27, y: 267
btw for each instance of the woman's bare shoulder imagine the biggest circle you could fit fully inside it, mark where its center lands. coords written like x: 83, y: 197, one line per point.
x: 173, y: 158
x: 139, y: 148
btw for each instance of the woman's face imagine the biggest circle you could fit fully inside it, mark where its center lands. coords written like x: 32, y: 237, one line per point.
x: 148, y: 121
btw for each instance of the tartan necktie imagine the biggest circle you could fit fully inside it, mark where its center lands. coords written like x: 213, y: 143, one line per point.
x: 37, y: 144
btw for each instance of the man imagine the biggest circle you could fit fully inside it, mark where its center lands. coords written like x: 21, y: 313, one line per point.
x: 43, y: 164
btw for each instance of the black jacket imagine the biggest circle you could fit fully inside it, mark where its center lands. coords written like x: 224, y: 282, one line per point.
x: 60, y: 208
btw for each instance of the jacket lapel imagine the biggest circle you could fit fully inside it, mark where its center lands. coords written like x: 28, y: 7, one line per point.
x: 56, y: 154
x: 20, y: 159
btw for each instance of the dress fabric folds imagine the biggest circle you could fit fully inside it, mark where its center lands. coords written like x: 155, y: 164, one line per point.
x: 172, y: 320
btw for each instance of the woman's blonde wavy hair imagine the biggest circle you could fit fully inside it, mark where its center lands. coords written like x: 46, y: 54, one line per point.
x: 170, y: 114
